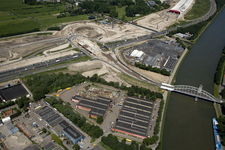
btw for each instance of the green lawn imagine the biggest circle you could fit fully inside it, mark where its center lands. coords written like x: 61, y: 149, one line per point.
x: 200, y: 8
x: 49, y: 20
x: 121, y: 12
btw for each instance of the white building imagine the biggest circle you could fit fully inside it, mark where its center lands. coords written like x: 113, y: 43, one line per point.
x: 137, y: 54
x: 5, y: 120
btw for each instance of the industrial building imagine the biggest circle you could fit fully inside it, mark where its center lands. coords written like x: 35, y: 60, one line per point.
x: 25, y: 130
x: 158, y: 54
x: 12, y: 129
x: 152, y: 60
x: 58, y: 124
x: 51, y: 118
x: 169, y: 64
x: 64, y: 128
x: 12, y: 92
x: 49, y: 146
x: 137, y: 54
x: 96, y: 107
x: 32, y: 147
x: 134, y: 117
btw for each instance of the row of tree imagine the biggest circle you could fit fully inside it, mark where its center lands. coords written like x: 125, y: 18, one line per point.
x: 41, y: 84
x: 156, y: 130
x: 221, y: 126
x: 220, y: 71
x: 153, y: 69
x: 92, y: 130
x: 181, y: 43
x: 132, y: 91
x: 6, y: 104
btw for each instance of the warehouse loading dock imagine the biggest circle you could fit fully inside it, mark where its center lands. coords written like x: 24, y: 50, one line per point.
x: 134, y: 117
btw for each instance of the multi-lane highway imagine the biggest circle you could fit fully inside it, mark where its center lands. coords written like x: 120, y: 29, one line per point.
x: 6, y: 75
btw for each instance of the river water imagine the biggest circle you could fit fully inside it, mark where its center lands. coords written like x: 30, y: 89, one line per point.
x: 188, y: 124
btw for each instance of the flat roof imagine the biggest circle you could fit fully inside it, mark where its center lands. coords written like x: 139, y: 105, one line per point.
x: 13, y: 92
x: 58, y: 148
x: 55, y: 116
x: 135, y: 116
x: 44, y: 111
x: 64, y: 124
x: 54, y: 123
x: 49, y: 145
x: 170, y: 64
x: 32, y: 147
x: 72, y: 132
x: 98, y: 106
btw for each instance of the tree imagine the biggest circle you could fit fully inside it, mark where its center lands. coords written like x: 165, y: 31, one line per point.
x: 119, y: 5
x: 44, y: 130
x: 76, y: 147
x: 131, y: 92
x: 123, y: 17
x: 49, y: 132
x: 25, y: 108
x: 99, y: 119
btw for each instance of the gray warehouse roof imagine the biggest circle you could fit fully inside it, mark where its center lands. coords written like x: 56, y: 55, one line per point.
x: 135, y: 116
x: 152, y: 59
x: 44, y: 111
x: 72, y: 132
x: 98, y: 107
x: 32, y: 147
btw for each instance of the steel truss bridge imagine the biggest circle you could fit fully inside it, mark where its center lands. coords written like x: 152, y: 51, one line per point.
x: 192, y: 91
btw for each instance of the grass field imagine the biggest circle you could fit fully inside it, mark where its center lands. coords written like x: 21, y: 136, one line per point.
x: 17, y: 25
x: 121, y: 12
x: 200, y: 8
x: 14, y: 16
x: 6, y: 15
x: 49, y: 20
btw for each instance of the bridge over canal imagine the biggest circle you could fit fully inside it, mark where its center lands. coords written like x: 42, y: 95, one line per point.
x: 192, y: 91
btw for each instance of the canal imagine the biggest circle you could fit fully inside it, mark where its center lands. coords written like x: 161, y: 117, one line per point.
x: 188, y: 124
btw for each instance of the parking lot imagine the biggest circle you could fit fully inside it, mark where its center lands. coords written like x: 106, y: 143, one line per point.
x: 40, y: 138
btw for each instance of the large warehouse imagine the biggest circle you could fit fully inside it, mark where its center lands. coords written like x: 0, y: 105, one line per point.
x: 12, y: 92
x: 96, y: 107
x: 134, y: 117
x: 137, y: 54
x: 58, y: 124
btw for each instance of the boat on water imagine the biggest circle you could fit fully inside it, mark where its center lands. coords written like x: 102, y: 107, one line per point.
x: 216, y: 135
x: 196, y: 99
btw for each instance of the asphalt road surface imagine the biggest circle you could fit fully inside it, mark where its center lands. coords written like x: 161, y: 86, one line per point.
x: 18, y: 71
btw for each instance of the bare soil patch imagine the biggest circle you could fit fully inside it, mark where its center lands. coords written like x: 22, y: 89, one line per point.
x: 86, y: 66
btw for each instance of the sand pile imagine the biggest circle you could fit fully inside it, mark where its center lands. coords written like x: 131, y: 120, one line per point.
x: 86, y: 66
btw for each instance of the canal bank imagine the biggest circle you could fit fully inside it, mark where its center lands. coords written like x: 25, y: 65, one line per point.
x: 187, y: 123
